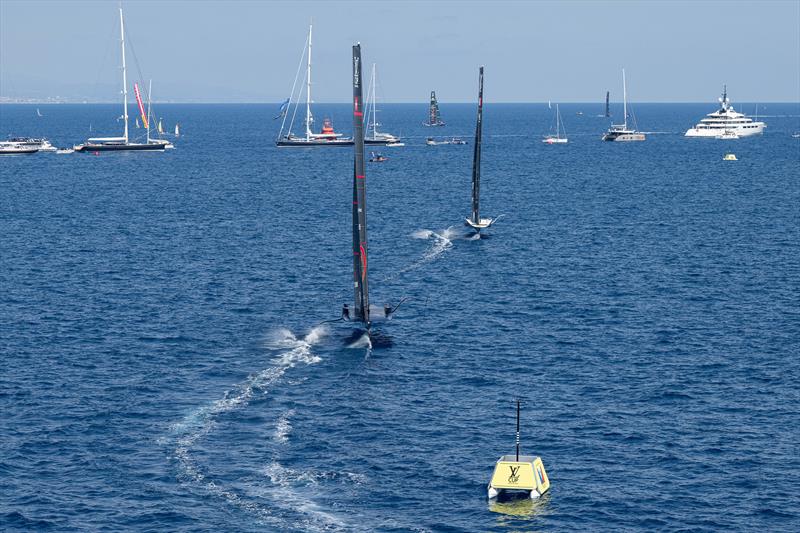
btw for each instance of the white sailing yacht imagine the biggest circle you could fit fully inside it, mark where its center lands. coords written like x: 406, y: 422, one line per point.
x: 557, y: 138
x: 371, y: 117
x: 105, y: 144
x: 327, y: 137
x: 621, y: 132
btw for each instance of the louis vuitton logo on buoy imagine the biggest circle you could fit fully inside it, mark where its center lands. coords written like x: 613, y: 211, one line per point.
x: 514, y: 477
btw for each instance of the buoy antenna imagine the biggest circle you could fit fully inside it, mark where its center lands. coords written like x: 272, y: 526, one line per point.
x: 517, y: 429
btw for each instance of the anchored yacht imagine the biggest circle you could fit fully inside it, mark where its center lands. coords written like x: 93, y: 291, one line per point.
x: 725, y: 122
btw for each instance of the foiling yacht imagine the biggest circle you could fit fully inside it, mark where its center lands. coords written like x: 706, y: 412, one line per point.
x: 725, y: 122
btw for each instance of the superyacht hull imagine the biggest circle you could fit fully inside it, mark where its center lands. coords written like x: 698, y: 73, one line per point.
x: 127, y: 147
x: 712, y: 133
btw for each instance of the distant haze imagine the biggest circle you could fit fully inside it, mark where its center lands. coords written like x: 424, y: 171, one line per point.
x: 248, y: 51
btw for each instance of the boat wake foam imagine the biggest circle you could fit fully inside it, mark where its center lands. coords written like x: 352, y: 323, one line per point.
x: 441, y: 242
x: 198, y: 424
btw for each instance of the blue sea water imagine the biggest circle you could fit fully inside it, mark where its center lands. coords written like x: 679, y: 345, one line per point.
x: 163, y: 366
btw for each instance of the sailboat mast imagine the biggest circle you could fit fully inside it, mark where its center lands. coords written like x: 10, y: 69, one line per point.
x: 374, y: 103
x: 517, y: 439
x: 359, y: 197
x: 608, y: 110
x: 558, y: 123
x: 149, y: 100
x: 308, y: 87
x: 476, y: 157
x: 624, y: 100
x: 124, y: 73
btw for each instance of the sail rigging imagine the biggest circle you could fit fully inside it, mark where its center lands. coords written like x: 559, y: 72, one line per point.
x: 360, y: 282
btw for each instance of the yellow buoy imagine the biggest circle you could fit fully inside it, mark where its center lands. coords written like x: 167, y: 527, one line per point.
x: 519, y: 473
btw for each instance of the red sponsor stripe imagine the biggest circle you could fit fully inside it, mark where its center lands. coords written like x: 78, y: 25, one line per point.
x: 358, y: 113
x: 359, y: 177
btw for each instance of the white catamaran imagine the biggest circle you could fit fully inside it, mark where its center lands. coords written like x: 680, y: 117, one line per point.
x: 105, y: 144
x: 327, y: 137
x: 557, y: 138
x: 621, y: 132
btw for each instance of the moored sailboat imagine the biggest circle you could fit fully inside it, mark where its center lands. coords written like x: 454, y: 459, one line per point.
x: 104, y: 144
x: 376, y: 137
x: 327, y: 137
x: 475, y: 221
x: 557, y: 138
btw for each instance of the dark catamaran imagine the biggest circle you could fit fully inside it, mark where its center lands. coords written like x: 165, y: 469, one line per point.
x: 475, y: 221
x: 434, y: 118
x: 362, y: 311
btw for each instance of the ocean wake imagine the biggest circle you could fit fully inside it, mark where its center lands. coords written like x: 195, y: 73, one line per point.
x: 195, y: 426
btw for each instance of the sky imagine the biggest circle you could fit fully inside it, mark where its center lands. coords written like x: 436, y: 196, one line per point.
x: 248, y: 50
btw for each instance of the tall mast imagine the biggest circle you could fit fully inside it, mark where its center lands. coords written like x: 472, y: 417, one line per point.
x: 558, y: 120
x: 608, y: 110
x: 359, y: 197
x: 476, y: 157
x: 624, y: 100
x: 308, y: 87
x: 374, y: 102
x: 149, y: 99
x: 124, y: 72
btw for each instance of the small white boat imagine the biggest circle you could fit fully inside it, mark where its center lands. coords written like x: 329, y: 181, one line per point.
x: 65, y: 151
x: 796, y: 135
x: 730, y: 157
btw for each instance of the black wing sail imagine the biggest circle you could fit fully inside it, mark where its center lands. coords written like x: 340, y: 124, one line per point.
x: 476, y: 158
x: 608, y: 109
x: 359, y: 197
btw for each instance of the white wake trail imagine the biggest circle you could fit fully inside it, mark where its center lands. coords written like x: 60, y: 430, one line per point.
x: 198, y: 424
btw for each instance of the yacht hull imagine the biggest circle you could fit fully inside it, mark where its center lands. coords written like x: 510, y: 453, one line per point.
x: 121, y: 147
x: 624, y: 137
x: 713, y: 133
x: 313, y: 142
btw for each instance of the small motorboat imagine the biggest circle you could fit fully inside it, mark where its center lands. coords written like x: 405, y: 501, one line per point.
x: 65, y: 151
x: 457, y: 140
x: 730, y: 157
x: 796, y: 135
x: 377, y: 158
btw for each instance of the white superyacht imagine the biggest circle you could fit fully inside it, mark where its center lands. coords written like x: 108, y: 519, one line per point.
x: 726, y: 123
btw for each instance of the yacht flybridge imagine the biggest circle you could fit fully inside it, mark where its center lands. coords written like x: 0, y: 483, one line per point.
x: 726, y: 123
x: 621, y: 132
x: 105, y: 144
x: 326, y: 137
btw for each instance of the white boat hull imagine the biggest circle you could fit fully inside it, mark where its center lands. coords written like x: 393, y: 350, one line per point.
x: 754, y: 128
